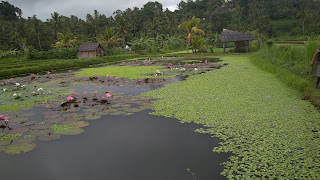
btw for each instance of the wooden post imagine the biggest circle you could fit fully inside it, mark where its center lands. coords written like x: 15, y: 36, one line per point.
x: 224, y: 47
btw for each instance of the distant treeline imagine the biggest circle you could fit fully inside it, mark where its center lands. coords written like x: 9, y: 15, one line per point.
x: 272, y: 18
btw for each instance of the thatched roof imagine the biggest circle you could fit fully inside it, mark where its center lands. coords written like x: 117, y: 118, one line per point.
x: 233, y: 36
x: 90, y: 47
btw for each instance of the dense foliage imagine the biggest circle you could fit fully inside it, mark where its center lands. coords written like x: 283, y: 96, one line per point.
x: 269, y: 17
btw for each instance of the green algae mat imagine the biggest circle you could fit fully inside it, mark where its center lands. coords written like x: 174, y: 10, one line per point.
x: 272, y: 133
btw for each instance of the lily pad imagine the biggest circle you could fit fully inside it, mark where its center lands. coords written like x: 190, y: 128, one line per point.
x: 72, y: 131
x: 92, y: 117
x: 79, y: 124
x: 41, y: 126
x: 17, y: 149
x: 19, y: 130
x: 49, y: 137
x: 41, y: 132
x: 23, y: 140
x: 70, y: 115
x: 4, y: 142
x: 19, y: 119
x: 52, y: 116
x: 54, y: 121
x: 29, y: 123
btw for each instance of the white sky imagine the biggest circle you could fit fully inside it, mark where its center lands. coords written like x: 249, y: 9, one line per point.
x: 44, y: 8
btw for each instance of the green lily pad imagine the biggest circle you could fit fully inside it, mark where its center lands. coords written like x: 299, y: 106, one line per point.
x: 49, y: 137
x: 23, y: 141
x: 117, y: 113
x: 4, y: 142
x: 41, y: 126
x: 17, y: 149
x: 19, y: 119
x: 70, y: 115
x: 54, y: 121
x: 72, y: 131
x: 18, y: 130
x: 92, y: 117
x: 52, y: 116
x: 2, y: 148
x: 29, y: 123
x: 41, y: 132
x: 79, y: 124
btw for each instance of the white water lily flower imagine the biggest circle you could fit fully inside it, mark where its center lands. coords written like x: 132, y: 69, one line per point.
x: 33, y: 92
x: 23, y: 86
x: 183, y: 69
x: 14, y: 95
x: 40, y: 89
x: 4, y: 90
x: 158, y: 72
x: 17, y: 84
x: 195, y: 69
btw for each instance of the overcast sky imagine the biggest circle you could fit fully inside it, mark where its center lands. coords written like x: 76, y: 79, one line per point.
x: 44, y: 8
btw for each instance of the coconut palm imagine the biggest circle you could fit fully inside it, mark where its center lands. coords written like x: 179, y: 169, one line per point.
x: 64, y: 40
x: 190, y: 26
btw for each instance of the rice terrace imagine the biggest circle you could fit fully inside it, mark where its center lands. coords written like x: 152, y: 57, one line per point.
x: 203, y: 91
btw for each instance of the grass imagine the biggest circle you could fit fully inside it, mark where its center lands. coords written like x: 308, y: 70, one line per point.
x: 13, y: 67
x: 272, y: 133
x: 131, y: 72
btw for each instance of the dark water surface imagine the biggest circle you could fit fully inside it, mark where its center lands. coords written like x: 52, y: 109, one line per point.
x: 140, y: 146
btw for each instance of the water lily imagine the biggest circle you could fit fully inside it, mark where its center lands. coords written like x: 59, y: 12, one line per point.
x: 95, y: 74
x: 158, y: 72
x: 138, y: 80
x: 206, y: 61
x: 117, y: 78
x: 73, y: 93
x: 69, y: 98
x: 69, y: 71
x: 96, y: 92
x: 1, y: 116
x: 40, y: 89
x: 84, y: 92
x: 4, y: 90
x: 48, y: 72
x: 107, y: 75
x: 108, y: 95
x: 123, y: 62
x: 201, y: 61
x: 195, y: 69
x: 103, y: 97
x: 15, y: 95
x: 6, y: 119
x: 17, y: 84
x: 183, y: 69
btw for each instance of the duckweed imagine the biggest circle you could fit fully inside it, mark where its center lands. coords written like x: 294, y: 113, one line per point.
x: 270, y: 131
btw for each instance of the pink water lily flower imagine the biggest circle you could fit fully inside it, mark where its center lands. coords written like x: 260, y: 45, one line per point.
x: 206, y: 61
x: 96, y: 92
x: 74, y: 93
x: 102, y: 97
x: 1, y: 116
x: 139, y: 80
x: 84, y: 92
x: 69, y: 98
x: 95, y: 74
x: 117, y: 77
x: 69, y: 71
x: 201, y: 61
x: 108, y: 95
x: 107, y: 75
x: 48, y: 72
x: 123, y: 62
x: 6, y: 118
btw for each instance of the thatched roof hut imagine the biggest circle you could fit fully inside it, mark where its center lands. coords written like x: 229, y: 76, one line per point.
x: 241, y: 39
x: 90, y: 50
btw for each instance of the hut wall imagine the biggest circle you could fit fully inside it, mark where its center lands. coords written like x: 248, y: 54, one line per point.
x: 242, y: 46
x: 87, y: 54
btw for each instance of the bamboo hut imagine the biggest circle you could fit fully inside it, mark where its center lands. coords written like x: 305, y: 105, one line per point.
x: 90, y: 50
x: 242, y: 40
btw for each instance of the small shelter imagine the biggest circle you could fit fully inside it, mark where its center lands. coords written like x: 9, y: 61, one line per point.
x: 90, y: 50
x: 241, y: 39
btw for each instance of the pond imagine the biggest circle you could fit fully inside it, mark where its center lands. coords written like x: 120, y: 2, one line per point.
x: 94, y: 136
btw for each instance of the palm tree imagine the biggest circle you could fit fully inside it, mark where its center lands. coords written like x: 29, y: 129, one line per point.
x: 107, y: 38
x: 36, y: 29
x: 191, y: 27
x: 64, y: 40
x: 121, y: 27
x: 55, y: 21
